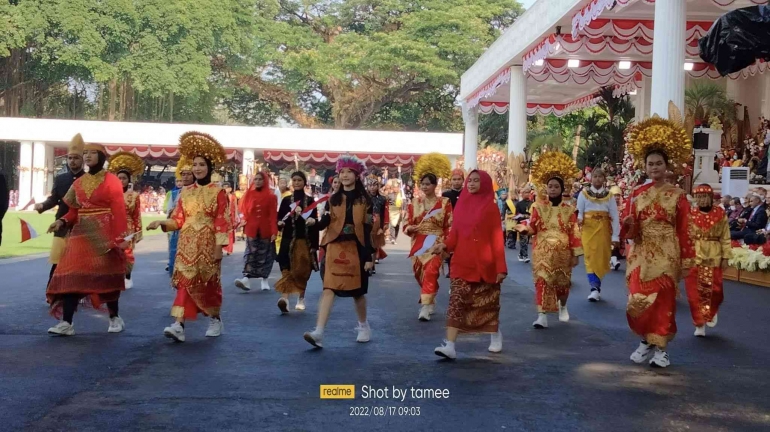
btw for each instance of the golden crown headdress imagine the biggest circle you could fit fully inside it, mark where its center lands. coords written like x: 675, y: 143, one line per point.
x: 554, y: 164
x: 184, y: 165
x: 665, y: 135
x: 192, y: 144
x: 76, y: 145
x: 432, y: 163
x: 126, y: 161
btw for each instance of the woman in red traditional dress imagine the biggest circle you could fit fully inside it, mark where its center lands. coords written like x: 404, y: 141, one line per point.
x: 127, y: 166
x: 93, y: 264
x: 478, y: 265
x: 233, y: 208
x: 656, y: 219
x: 203, y: 220
x: 428, y: 221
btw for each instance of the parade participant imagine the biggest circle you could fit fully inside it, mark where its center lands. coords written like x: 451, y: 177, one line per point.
x: 127, y: 166
x: 396, y: 210
x: 523, y: 214
x: 323, y: 208
x: 656, y: 220
x: 456, y: 184
x: 598, y: 216
x: 711, y: 236
x: 556, y: 237
x: 478, y: 266
x: 429, y: 218
x: 349, y: 250
x: 381, y: 221
x: 93, y: 265
x: 259, y: 218
x: 232, y: 204
x: 184, y: 178
x: 617, y: 249
x: 62, y: 184
x: 282, y: 191
x: 297, y: 254
x: 202, y: 218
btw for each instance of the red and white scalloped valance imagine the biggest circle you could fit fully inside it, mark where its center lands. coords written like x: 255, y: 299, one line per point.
x: 490, y: 88
x: 160, y: 155
x: 628, y: 28
x: 707, y: 70
x: 586, y: 16
x: 542, y: 108
x: 328, y: 159
x: 601, y: 73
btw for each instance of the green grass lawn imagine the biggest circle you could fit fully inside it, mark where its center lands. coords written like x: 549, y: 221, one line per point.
x: 12, y: 246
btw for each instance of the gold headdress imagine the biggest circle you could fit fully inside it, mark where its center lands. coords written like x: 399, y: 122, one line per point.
x: 372, y: 179
x: 668, y: 136
x: 192, y: 144
x: 554, y: 164
x: 432, y: 163
x: 76, y: 146
x: 184, y: 165
x: 216, y: 177
x: 126, y: 161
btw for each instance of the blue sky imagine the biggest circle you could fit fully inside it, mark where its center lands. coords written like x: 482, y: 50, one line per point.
x: 527, y: 3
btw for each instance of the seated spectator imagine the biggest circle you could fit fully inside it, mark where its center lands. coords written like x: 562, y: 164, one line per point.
x: 756, y: 221
x: 727, y: 201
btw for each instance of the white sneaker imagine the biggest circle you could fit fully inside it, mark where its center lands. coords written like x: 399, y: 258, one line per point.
x: 563, y: 313
x: 215, y: 327
x: 496, y: 342
x: 541, y: 322
x: 243, y: 283
x: 642, y: 353
x: 129, y: 284
x: 265, y: 285
x: 116, y: 325
x: 447, y: 350
x: 174, y: 331
x: 614, y: 263
x: 283, y: 305
x: 62, y: 329
x: 713, y: 322
x: 595, y: 296
x: 300, y: 306
x: 315, y: 338
x: 364, y: 332
x: 521, y: 259
x: 424, y: 313
x: 526, y: 260
x: 432, y: 309
x: 700, y: 331
x: 660, y: 359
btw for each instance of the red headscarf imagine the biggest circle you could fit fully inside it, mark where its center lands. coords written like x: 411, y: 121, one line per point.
x: 475, y: 213
x: 253, y: 196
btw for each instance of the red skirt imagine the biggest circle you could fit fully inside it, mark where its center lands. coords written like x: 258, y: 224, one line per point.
x: 651, y: 308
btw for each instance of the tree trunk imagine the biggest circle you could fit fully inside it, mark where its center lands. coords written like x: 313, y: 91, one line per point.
x: 171, y: 107
x: 123, y: 100
x: 576, y: 146
x: 113, y: 100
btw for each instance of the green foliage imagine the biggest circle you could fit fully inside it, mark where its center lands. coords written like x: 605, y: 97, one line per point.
x: 705, y: 99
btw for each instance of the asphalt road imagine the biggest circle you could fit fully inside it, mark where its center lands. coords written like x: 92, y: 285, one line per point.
x: 262, y: 376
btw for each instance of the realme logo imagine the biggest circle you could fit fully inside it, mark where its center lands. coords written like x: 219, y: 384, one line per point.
x: 338, y: 391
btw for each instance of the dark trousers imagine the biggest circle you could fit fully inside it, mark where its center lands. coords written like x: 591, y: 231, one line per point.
x: 70, y: 306
x: 523, y: 245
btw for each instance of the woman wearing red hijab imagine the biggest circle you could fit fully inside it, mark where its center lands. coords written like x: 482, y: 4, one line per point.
x: 478, y: 265
x: 259, y: 216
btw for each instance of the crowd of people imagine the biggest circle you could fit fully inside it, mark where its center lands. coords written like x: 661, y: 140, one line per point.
x: 343, y: 234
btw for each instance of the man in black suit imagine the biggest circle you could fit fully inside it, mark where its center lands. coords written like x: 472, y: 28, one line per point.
x: 62, y: 184
x: 757, y: 219
x: 4, y: 198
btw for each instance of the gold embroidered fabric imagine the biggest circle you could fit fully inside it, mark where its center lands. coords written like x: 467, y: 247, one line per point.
x: 712, y: 245
x: 91, y: 182
x: 555, y: 243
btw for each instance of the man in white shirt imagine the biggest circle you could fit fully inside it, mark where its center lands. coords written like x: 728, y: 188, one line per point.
x: 598, y: 217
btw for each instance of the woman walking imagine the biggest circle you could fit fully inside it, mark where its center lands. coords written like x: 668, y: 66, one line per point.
x: 478, y: 266
x: 297, y: 254
x: 380, y: 219
x: 260, y: 222
x: 201, y: 216
x: 348, y: 249
x: 93, y: 265
x: 127, y: 166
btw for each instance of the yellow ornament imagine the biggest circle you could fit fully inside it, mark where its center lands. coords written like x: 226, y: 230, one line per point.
x: 666, y: 135
x: 432, y: 163
x: 126, y: 161
x: 554, y: 164
x: 193, y: 144
x: 184, y: 165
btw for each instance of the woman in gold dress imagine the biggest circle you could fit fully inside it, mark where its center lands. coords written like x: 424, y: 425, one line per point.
x: 202, y: 218
x: 555, y: 236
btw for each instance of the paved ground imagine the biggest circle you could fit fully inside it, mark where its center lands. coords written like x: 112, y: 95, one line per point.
x: 261, y: 375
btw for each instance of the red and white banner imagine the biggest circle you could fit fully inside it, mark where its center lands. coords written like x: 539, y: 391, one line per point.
x: 27, y: 231
x: 160, y: 155
x: 490, y: 88
x: 330, y: 159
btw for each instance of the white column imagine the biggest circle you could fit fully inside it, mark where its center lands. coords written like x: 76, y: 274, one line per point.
x: 25, y: 173
x: 38, y: 171
x: 517, y: 112
x: 50, y: 160
x: 248, y: 163
x: 668, y: 56
x: 765, y: 105
x: 642, y: 100
x: 471, y: 118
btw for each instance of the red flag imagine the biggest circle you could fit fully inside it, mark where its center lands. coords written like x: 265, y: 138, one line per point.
x: 27, y: 231
x: 309, y: 209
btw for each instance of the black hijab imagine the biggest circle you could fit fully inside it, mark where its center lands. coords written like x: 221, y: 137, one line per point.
x: 206, y: 180
x: 299, y: 195
x: 556, y: 201
x: 99, y: 164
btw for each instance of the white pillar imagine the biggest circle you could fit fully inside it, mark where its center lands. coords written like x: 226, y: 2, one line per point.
x: 668, y: 56
x: 25, y: 173
x: 471, y: 118
x: 517, y: 112
x: 248, y: 163
x: 642, y: 100
x: 50, y: 165
x: 38, y: 171
x: 764, y: 107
